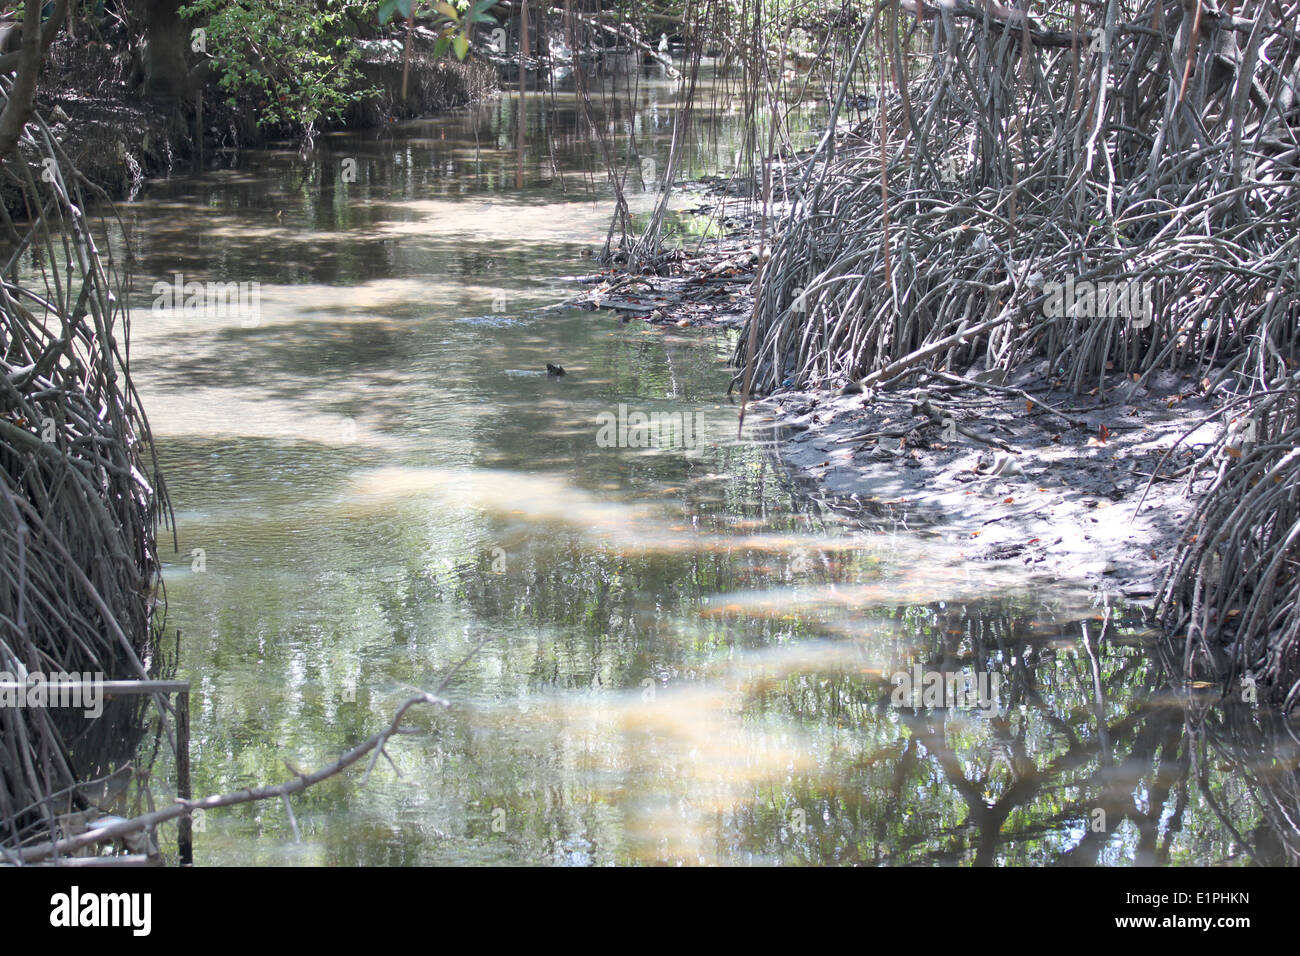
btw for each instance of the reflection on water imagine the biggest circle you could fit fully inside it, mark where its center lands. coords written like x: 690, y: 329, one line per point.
x: 683, y: 656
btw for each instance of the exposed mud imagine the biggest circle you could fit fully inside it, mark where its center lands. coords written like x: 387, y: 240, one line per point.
x: 708, y: 284
x: 1082, y: 489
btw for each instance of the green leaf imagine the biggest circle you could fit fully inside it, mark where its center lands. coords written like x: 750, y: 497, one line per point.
x: 448, y: 11
x: 462, y: 46
x: 440, y: 47
x: 387, y: 8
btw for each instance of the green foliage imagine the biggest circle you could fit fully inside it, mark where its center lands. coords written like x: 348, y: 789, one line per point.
x: 296, y: 60
x: 455, y: 21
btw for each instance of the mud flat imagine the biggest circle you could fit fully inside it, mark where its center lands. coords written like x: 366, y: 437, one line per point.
x: 1084, y: 490
x: 1015, y: 471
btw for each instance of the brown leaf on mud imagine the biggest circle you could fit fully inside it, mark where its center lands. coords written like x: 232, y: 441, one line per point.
x: 1103, y: 435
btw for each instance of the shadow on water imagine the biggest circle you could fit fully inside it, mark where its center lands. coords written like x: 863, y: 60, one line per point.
x: 687, y: 655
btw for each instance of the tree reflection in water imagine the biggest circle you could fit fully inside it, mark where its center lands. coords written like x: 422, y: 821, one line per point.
x: 1095, y: 758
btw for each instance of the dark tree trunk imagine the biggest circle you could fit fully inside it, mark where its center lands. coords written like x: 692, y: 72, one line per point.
x: 18, y: 104
x: 166, y: 75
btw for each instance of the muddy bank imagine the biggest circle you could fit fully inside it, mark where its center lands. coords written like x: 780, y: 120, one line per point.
x: 433, y: 83
x: 114, y: 137
x: 1078, y: 489
x: 706, y: 284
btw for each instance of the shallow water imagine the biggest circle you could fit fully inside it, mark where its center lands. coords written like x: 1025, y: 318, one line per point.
x: 670, y: 655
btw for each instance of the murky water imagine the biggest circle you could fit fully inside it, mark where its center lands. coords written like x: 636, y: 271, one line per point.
x: 675, y: 655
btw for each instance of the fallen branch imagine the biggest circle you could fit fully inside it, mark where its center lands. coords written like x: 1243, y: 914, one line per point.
x: 148, y: 821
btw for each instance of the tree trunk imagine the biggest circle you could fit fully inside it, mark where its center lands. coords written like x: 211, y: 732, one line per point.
x: 23, y: 91
x: 166, y: 75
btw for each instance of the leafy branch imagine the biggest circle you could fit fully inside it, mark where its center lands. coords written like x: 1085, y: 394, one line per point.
x: 453, y: 24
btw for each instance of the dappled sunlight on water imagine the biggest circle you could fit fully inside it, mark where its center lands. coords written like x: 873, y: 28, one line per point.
x: 659, y: 654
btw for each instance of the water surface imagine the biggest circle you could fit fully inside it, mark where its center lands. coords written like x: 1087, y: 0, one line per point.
x: 671, y: 655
